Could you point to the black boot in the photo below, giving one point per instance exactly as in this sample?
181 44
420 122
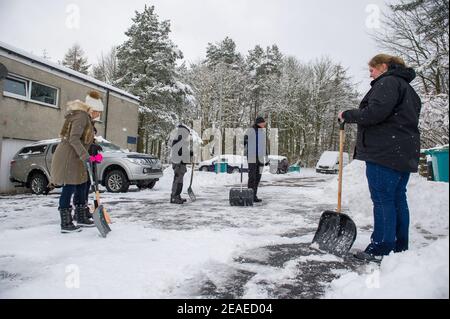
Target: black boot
67 225
81 216
88 212
176 200
255 198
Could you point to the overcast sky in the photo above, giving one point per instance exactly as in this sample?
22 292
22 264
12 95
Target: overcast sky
306 29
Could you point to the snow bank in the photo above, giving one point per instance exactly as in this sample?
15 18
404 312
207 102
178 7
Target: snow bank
422 273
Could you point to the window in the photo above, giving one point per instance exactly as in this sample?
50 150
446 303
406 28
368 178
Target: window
16 86
43 93
54 148
29 90
33 150
109 147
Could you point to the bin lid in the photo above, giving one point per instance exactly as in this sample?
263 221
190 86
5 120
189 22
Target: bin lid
442 149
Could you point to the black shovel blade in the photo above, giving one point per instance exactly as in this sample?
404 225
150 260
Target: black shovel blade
336 233
191 194
241 197
100 221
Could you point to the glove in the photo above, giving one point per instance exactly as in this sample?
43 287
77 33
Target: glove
94 149
96 158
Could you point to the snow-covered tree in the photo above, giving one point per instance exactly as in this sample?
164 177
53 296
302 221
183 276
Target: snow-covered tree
223 52
417 30
106 68
147 68
434 120
301 100
75 59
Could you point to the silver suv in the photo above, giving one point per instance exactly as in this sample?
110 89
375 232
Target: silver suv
119 169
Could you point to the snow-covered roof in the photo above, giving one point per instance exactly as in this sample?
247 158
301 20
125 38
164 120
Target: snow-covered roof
11 50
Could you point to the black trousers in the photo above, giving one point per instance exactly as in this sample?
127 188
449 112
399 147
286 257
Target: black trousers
177 185
254 177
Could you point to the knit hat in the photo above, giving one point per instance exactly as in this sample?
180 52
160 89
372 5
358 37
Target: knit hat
94 100
259 120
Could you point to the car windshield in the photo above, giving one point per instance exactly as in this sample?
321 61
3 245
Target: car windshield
109 147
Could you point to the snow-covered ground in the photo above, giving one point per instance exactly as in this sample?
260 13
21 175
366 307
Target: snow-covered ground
209 249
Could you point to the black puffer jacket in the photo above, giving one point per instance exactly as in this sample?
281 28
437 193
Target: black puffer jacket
388 120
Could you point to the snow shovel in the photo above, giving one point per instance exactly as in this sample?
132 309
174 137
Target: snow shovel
190 191
337 231
240 196
100 215
3 71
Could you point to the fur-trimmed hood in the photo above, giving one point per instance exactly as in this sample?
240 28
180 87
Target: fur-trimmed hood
77 105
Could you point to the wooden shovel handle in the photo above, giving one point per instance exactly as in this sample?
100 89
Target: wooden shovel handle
341 164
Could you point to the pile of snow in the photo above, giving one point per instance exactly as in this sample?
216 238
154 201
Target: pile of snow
422 273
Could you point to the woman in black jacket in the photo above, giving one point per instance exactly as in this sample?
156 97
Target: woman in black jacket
388 140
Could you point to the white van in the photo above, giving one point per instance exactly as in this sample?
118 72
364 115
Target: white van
329 162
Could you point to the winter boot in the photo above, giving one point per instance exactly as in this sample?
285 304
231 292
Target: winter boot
364 256
81 216
176 200
88 212
67 225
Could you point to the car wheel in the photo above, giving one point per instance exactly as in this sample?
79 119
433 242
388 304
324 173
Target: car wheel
152 184
235 170
117 182
38 183
204 169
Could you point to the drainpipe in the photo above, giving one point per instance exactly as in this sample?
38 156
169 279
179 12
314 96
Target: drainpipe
107 110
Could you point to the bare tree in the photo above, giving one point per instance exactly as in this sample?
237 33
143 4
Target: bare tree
106 68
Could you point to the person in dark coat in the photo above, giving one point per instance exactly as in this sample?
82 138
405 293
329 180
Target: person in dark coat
256 151
388 140
181 154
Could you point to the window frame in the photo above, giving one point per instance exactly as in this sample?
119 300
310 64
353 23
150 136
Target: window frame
29 85
19 79
56 105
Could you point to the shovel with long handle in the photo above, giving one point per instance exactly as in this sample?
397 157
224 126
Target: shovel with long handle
337 231
190 191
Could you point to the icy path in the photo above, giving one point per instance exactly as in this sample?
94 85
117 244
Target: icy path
205 249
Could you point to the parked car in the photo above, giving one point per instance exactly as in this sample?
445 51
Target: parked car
119 169
233 163
329 162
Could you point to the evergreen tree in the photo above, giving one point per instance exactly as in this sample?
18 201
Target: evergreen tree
147 68
74 59
223 52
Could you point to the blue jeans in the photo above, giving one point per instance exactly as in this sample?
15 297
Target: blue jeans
79 192
390 209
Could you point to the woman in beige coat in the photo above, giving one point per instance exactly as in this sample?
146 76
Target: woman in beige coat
68 164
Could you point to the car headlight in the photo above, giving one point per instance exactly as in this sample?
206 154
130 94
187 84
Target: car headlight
138 161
